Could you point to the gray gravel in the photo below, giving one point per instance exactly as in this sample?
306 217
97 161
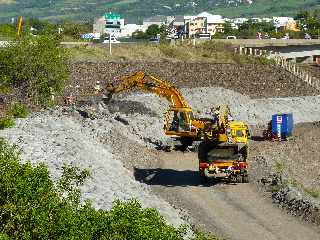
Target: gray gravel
108 139
55 139
252 111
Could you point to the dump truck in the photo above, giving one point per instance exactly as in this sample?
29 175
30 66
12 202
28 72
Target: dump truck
223 161
223 153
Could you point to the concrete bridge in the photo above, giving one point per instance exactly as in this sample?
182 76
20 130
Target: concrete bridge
262 43
311 56
295 50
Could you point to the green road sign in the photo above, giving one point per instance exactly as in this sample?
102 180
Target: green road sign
112 16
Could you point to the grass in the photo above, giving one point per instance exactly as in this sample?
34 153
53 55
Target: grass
312 192
17 110
212 51
6 122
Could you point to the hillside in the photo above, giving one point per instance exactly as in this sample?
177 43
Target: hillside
136 10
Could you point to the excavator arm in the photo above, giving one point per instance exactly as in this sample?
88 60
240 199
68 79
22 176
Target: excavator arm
145 82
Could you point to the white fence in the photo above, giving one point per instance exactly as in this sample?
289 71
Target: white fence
283 63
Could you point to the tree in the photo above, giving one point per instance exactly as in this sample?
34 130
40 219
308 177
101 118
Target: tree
35 65
75 30
309 21
153 30
139 35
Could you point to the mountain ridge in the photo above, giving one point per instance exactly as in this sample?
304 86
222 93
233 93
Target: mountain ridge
136 10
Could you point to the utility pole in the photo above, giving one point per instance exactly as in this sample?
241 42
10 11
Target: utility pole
110 48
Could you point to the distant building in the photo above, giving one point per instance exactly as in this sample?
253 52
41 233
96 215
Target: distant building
129 29
203 23
240 21
110 22
155 20
178 21
99 25
285 23
267 20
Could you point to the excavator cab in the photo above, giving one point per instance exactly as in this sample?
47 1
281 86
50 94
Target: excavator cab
178 122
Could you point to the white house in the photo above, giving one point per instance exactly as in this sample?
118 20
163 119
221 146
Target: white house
129 29
203 23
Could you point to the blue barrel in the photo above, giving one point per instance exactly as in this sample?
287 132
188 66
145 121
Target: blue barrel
282 125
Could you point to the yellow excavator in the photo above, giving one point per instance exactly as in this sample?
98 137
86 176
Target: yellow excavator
179 119
223 150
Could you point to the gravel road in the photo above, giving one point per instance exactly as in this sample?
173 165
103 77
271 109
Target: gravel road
235 211
116 143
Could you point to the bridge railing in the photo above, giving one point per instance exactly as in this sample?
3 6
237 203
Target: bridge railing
291 67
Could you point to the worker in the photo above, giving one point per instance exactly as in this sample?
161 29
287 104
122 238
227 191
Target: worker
215 114
175 122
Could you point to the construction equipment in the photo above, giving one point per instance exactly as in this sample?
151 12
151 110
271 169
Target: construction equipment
179 119
224 150
223 160
19 27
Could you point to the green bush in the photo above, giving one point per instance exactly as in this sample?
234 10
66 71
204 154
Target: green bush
35 65
18 110
6 123
33 207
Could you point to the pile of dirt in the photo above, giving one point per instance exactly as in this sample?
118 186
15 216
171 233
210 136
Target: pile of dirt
244 108
90 139
256 81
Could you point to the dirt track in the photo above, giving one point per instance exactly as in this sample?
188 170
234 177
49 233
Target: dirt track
123 133
235 211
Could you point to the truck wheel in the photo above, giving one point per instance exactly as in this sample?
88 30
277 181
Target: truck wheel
203 177
245 179
239 178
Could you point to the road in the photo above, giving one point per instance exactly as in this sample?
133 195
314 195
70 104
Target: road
233 211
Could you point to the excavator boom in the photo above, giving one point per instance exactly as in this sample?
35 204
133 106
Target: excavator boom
145 82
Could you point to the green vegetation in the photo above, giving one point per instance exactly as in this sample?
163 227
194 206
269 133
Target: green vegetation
35 64
310 22
312 192
268 8
6 122
152 31
34 207
136 10
17 110
209 51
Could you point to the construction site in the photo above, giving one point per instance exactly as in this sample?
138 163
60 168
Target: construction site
190 139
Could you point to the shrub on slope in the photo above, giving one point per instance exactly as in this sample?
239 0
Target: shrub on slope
33 207
35 65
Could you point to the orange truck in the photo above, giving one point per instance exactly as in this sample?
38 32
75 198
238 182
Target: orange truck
223 161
